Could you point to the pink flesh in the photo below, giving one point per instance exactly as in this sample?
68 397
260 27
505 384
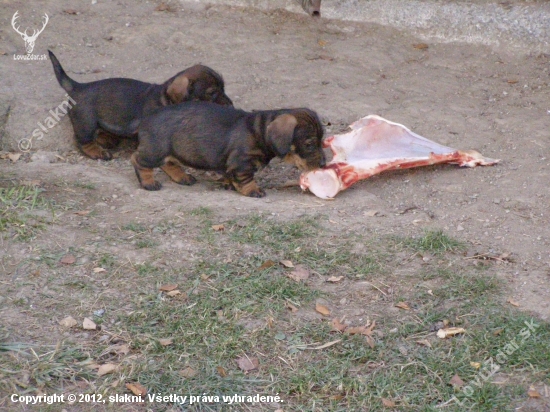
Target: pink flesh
375 145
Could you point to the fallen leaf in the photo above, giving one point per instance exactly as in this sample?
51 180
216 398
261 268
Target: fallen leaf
424 342
168 287
322 43
68 322
14 157
388 403
326 345
89 324
456 382
221 371
534 393
299 273
512 81
98 270
292 308
322 309
247 364
67 260
476 365
430 292
337 325
335 279
361 330
218 228
137 388
371 213
166 341
420 46
173 293
403 305
513 302
332 398
106 368
188 372
82 212
497 332
121 349
266 265
287 263
445 333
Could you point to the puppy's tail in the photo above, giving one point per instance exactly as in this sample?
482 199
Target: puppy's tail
129 130
65 81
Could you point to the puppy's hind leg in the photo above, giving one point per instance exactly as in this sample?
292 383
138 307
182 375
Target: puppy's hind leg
174 169
246 185
144 173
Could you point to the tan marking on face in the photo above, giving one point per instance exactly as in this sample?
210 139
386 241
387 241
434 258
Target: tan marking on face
296 160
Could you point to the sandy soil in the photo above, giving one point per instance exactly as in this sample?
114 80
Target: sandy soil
462 95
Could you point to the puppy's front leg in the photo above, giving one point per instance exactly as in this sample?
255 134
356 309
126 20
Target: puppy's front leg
173 169
246 185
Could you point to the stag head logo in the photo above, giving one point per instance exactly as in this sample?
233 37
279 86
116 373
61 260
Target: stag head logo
29 40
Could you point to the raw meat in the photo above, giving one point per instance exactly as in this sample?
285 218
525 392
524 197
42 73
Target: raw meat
375 145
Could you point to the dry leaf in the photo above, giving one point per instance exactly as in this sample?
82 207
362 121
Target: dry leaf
512 81
287 263
361 330
388 403
68 322
444 333
14 157
166 342
188 372
322 309
121 349
403 305
513 302
218 228
534 393
337 325
173 293
106 368
221 371
456 382
168 287
82 212
424 342
247 364
299 273
99 270
476 365
326 345
497 332
290 306
89 324
67 260
335 279
420 46
137 388
322 43
371 213
267 264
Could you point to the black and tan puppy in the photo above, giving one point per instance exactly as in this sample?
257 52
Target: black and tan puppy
227 140
114 105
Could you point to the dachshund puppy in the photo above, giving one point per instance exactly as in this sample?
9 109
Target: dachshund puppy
227 140
116 105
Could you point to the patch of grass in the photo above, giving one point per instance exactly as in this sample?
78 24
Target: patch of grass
18 207
135 227
85 185
145 243
434 241
202 211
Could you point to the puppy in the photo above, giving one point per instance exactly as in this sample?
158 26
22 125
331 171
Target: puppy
227 140
116 105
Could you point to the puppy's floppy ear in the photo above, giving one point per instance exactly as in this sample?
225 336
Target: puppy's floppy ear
280 132
178 90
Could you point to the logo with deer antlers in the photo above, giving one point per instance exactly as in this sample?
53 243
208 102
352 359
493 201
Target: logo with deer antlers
29 40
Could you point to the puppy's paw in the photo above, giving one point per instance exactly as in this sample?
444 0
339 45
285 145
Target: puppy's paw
257 193
94 151
187 181
152 186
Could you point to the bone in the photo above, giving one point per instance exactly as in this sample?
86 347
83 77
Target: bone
375 145
311 7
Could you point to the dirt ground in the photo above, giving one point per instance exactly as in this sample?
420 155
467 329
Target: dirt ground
461 95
